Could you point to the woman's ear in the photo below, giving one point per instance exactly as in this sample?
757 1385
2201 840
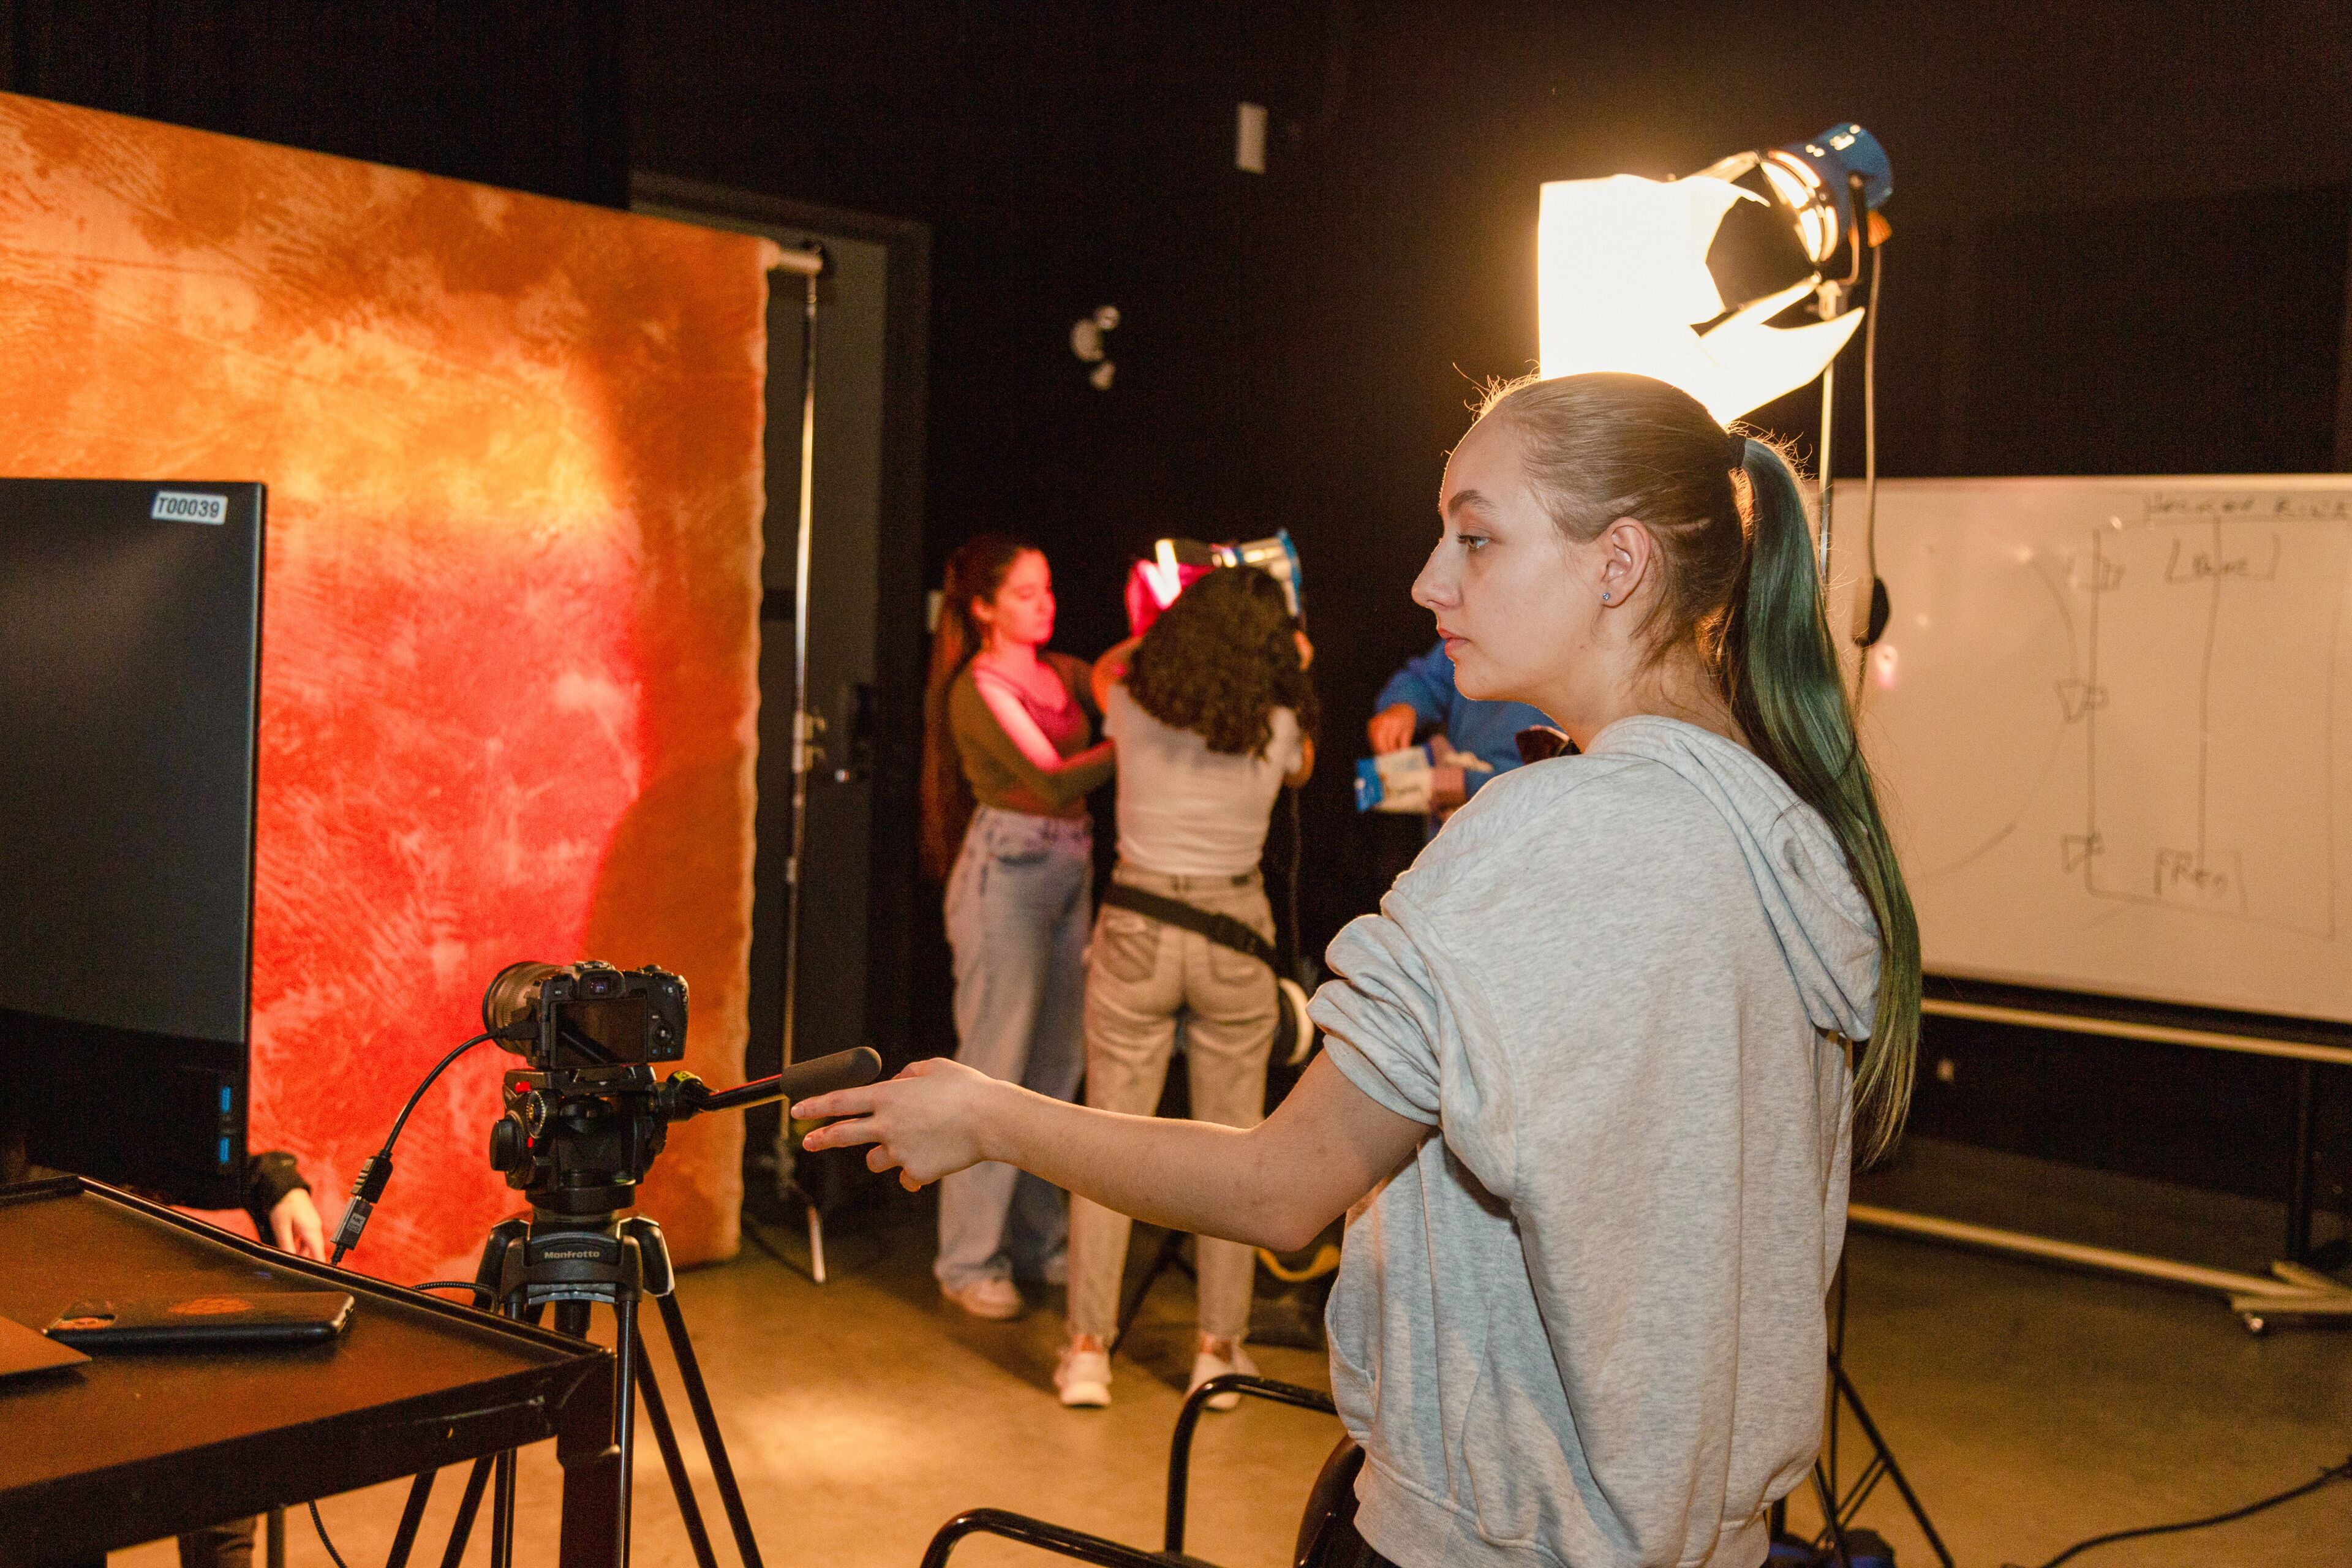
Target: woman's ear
1627 552
984 613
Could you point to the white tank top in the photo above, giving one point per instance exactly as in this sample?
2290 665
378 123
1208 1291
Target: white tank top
1185 810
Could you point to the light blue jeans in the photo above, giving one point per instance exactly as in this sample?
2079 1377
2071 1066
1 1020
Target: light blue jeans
1019 901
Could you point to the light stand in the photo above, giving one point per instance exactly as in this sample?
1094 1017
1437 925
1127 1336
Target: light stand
1832 303
1620 286
810 263
1840 1504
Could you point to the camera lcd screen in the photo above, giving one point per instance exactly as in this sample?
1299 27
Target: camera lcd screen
615 1029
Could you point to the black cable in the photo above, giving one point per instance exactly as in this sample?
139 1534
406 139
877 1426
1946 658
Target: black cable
1870 413
2333 1473
476 1286
1290 891
324 1539
1868 587
401 1121
375 1172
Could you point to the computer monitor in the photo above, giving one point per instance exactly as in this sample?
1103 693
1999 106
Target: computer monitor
129 659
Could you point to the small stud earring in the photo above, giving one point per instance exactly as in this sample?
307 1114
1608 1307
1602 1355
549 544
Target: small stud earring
1605 598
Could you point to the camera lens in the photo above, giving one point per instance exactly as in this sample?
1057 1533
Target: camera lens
513 993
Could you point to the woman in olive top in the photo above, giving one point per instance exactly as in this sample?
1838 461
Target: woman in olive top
1009 755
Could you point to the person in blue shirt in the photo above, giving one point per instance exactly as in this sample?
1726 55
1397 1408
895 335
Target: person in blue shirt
1419 700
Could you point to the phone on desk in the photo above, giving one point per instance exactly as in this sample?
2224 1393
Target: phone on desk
204 1322
24 1352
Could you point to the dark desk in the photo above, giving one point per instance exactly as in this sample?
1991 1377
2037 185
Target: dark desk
133 1447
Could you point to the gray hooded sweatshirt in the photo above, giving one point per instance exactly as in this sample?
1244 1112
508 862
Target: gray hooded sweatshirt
1585 1326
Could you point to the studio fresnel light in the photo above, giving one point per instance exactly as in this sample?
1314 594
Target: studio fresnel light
1692 280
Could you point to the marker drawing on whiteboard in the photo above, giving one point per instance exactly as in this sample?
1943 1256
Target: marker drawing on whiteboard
2077 698
2196 592
2190 565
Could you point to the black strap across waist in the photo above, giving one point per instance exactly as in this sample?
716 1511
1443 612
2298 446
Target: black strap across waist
1222 930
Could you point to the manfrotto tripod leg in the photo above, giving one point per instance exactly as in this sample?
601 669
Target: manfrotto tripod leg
502 1498
462 1527
689 1508
627 1357
1834 1526
411 1516
706 1420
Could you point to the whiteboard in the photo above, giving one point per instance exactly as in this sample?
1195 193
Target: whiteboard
2112 722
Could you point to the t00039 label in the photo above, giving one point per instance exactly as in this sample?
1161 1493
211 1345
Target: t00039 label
186 506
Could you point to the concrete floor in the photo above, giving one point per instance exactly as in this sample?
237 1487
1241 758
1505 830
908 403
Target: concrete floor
2030 1407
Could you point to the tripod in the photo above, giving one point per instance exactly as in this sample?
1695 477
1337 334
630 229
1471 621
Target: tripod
574 1263
576 1145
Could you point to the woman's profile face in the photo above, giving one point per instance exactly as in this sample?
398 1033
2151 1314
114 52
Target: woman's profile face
1510 597
1023 610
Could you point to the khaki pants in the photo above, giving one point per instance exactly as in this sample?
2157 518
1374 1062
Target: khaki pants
1141 978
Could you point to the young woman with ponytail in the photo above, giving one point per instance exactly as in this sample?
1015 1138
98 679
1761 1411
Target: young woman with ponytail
1009 757
1592 1053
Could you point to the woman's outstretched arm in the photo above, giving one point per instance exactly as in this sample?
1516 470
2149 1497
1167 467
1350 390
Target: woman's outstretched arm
1274 1184
977 728
1110 669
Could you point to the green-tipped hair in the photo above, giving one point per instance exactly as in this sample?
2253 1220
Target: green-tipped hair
1779 671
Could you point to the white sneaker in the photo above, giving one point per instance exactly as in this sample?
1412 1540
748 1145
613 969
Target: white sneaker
995 1297
1208 1364
1083 1378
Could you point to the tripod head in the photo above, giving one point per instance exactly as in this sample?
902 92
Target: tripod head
585 1119
577 1141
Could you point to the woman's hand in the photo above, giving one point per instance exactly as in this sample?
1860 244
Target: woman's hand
925 1123
294 1226
1391 728
1305 763
1110 669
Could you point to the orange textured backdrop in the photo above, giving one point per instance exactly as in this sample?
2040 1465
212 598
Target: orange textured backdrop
509 629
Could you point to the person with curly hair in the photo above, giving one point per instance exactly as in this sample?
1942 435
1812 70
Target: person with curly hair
1213 718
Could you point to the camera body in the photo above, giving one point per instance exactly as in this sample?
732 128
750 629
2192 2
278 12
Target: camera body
589 1015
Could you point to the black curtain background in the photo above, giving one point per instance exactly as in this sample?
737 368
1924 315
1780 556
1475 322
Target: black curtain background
2120 246
532 95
